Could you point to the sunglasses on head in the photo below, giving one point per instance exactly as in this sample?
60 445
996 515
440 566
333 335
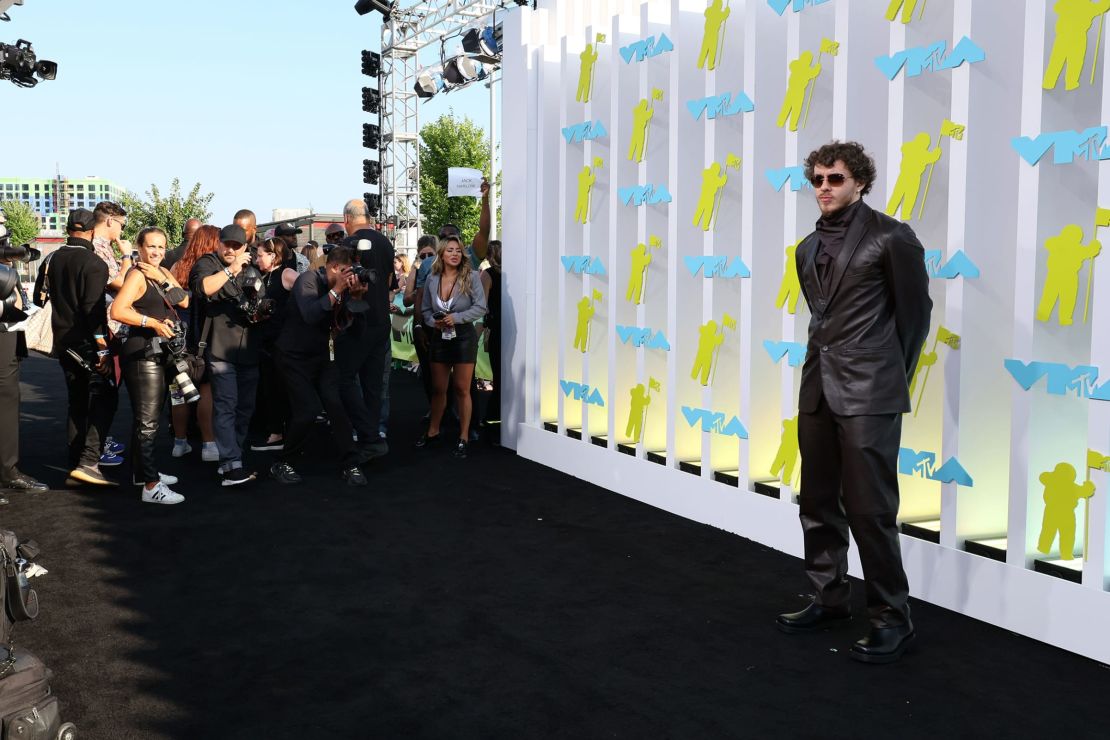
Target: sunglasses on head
835 179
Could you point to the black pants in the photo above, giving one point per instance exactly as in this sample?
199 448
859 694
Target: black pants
493 349
92 404
850 481
359 362
146 386
9 405
420 341
313 381
273 401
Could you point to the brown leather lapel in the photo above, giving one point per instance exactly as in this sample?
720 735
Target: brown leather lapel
858 229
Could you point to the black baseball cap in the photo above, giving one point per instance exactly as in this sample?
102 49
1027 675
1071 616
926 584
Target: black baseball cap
80 219
233 233
286 229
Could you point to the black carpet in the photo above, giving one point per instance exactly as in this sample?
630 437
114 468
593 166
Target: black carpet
485 598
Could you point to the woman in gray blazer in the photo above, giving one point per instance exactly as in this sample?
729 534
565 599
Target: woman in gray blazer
453 300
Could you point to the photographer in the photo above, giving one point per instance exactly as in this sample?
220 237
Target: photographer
74 280
12 350
217 282
306 356
278 276
144 304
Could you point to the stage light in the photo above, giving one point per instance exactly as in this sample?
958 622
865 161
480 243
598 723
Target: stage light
371 136
460 70
371 63
373 203
362 7
371 171
484 44
371 100
429 81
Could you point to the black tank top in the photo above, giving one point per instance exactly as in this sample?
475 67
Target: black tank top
151 305
493 312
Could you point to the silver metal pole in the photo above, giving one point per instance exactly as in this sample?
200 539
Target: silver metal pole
492 157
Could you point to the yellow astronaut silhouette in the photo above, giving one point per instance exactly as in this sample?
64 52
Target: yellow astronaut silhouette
641 399
713 179
927 359
586 180
1061 496
715 16
641 258
916 156
641 117
802 73
588 58
709 339
791 286
787 456
582 327
1069 49
1066 254
907 7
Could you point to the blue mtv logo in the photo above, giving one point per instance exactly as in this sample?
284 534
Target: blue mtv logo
720 105
643 337
582 264
796 176
640 194
652 46
794 352
923 465
585 131
713 266
1088 144
780 6
918 59
580 392
960 265
715 422
1061 380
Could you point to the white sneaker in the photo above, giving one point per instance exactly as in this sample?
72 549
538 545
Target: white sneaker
164 478
209 452
161 494
181 448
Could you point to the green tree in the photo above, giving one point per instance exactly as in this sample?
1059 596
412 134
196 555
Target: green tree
169 212
21 222
450 142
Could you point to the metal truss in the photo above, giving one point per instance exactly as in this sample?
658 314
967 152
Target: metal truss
404 33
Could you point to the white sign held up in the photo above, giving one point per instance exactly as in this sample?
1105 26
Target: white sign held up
464 181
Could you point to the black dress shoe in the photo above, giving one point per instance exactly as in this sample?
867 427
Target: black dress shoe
883 644
22 482
813 617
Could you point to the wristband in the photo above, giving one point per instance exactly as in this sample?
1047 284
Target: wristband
142 324
167 285
230 275
102 353
334 295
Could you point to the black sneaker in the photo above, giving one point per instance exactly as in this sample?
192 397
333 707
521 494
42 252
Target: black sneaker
266 446
461 448
374 449
283 473
354 476
426 441
236 476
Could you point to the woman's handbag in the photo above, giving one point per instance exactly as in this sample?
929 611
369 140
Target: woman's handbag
38 330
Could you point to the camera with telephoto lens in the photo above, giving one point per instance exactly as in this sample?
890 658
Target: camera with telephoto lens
366 276
251 301
171 352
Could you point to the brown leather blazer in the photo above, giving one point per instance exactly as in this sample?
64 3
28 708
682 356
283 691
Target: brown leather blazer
866 335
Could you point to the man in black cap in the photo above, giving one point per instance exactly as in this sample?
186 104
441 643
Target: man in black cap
333 235
74 280
232 353
287 232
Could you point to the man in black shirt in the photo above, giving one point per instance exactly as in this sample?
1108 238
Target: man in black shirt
306 355
74 280
361 350
175 254
232 349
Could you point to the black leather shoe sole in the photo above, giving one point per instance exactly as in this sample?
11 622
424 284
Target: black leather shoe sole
794 628
882 658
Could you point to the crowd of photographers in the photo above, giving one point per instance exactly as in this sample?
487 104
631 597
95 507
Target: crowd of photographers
242 333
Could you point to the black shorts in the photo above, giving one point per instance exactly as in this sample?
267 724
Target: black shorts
462 349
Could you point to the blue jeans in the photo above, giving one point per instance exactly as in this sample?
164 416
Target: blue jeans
234 388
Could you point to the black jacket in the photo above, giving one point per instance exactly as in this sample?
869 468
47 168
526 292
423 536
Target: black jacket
308 320
77 279
865 337
230 336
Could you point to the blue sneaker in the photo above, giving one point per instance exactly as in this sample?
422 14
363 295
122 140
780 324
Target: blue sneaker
108 460
113 446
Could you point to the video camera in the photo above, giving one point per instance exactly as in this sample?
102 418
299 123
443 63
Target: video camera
252 303
19 64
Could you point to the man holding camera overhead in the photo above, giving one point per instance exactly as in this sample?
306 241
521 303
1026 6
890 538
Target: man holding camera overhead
218 280
318 313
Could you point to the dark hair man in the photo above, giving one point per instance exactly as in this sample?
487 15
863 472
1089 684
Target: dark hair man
306 356
863 276
232 352
111 220
187 232
73 280
361 350
287 232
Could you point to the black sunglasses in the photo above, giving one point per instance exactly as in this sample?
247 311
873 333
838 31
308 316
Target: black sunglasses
426 255
835 179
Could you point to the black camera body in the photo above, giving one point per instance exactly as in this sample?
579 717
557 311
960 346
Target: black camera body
366 276
252 303
171 353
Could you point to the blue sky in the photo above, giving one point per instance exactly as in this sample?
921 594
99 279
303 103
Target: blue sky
258 100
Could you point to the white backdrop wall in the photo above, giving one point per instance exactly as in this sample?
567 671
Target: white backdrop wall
567 404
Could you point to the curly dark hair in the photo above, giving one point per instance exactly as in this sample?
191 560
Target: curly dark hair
852 154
